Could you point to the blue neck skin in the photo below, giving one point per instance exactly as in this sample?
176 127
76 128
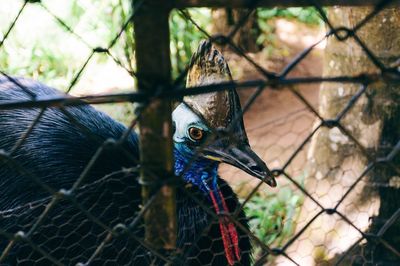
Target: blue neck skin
201 172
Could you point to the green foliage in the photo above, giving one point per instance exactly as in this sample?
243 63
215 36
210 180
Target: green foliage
306 15
267 38
185 36
36 62
272 217
41 47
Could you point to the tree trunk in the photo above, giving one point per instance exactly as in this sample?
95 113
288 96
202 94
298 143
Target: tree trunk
336 162
225 20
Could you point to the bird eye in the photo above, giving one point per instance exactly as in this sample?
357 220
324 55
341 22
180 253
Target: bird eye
196 133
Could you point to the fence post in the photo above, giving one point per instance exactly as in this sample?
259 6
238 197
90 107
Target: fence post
154 74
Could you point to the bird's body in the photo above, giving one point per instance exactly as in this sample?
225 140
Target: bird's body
63 145
57 151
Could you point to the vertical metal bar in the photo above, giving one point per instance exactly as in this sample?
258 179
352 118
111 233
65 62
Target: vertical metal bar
154 74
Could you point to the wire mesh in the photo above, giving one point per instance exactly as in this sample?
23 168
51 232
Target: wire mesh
70 174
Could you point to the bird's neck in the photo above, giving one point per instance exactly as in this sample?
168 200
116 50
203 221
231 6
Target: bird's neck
202 173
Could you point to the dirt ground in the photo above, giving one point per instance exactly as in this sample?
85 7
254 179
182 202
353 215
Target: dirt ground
278 121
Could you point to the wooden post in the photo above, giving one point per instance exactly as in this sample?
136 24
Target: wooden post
154 74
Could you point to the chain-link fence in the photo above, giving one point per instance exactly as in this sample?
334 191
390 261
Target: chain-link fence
76 188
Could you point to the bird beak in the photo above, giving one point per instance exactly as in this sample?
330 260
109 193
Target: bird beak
242 157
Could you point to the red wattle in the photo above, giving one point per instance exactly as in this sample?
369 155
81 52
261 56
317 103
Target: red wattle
229 234
232 229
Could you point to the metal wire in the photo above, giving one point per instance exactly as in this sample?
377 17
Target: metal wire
132 228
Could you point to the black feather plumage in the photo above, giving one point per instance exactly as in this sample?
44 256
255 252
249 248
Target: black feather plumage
57 151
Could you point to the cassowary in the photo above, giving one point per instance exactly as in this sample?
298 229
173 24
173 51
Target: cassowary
61 144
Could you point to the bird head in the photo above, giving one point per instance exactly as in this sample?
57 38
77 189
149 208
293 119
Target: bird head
210 125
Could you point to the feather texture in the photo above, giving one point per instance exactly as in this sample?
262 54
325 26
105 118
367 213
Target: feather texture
56 151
